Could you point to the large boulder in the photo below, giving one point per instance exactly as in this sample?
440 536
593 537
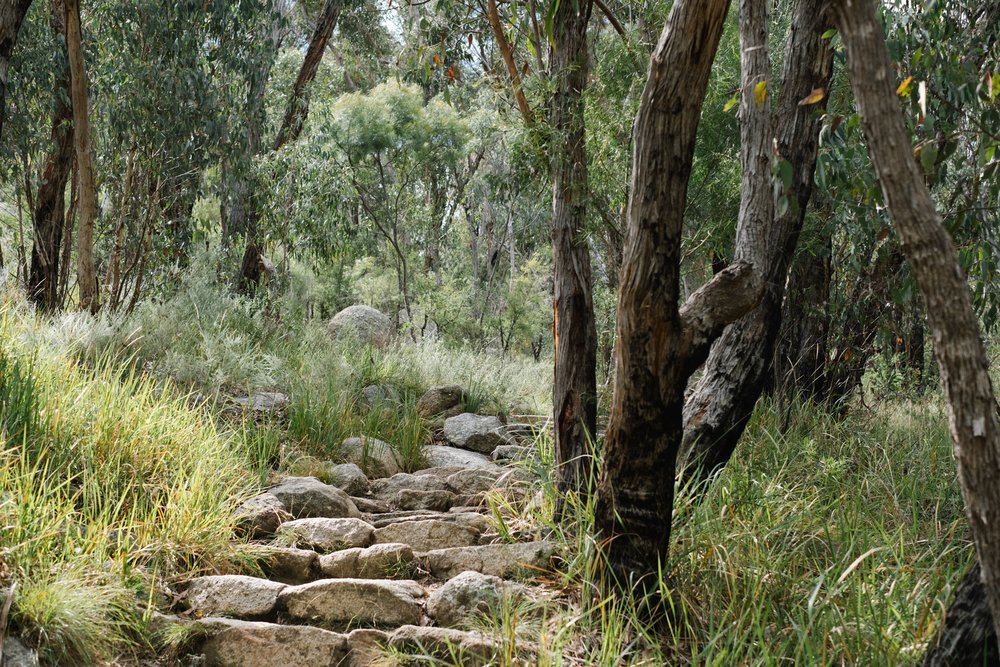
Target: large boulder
444 398
372 454
306 497
261 515
477 433
348 477
363 323
374 601
467 595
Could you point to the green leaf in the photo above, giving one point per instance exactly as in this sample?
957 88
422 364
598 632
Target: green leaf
829 33
785 172
733 101
782 205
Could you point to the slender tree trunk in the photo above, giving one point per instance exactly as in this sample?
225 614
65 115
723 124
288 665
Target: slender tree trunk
12 14
86 273
659 345
507 54
297 107
717 413
574 391
972 407
49 215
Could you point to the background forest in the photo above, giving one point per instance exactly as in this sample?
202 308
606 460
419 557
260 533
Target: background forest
179 230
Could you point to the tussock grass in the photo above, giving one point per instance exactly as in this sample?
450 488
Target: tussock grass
110 486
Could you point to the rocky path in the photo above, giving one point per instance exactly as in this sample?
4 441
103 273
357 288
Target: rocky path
358 568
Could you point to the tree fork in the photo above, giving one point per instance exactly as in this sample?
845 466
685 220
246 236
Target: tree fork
659 344
718 411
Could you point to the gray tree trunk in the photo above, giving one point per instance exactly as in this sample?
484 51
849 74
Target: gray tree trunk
972 408
85 270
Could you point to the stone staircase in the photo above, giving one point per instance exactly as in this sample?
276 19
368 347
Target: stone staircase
401 565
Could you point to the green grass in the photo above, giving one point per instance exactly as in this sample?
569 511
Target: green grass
825 541
833 542
112 487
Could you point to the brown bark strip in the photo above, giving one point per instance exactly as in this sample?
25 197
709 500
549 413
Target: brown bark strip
86 273
574 390
718 411
972 408
656 340
12 14
298 105
507 54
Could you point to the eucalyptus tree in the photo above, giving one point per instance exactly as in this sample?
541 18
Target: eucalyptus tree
391 147
49 214
659 344
716 413
86 273
11 17
972 409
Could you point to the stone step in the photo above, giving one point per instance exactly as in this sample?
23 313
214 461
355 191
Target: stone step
427 534
360 602
233 643
500 560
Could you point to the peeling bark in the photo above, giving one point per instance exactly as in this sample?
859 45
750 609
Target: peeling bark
297 107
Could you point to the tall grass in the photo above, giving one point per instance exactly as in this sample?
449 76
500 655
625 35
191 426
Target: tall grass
829 543
111 487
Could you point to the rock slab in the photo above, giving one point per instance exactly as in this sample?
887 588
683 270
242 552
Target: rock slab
375 602
307 497
233 595
253 644
326 534
477 433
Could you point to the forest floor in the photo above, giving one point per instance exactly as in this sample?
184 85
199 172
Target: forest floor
827 540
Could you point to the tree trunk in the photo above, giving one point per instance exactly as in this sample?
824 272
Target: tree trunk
972 407
297 107
12 14
574 391
49 215
507 54
659 345
717 413
86 273
801 355
967 636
